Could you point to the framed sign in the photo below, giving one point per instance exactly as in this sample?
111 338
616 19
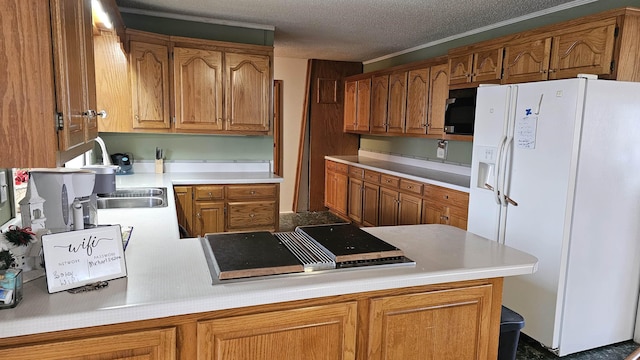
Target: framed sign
81 257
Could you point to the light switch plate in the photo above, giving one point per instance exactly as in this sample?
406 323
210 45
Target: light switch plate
441 152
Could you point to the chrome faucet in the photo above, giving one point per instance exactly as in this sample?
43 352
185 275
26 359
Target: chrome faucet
105 155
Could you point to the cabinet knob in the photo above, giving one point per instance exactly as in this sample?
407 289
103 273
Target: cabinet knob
198 215
89 113
253 192
252 215
102 114
210 195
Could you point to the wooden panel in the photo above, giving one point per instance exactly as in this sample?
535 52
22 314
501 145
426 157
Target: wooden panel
350 105
327 91
251 215
487 65
370 204
397 102
184 206
409 210
197 79
528 61
247 92
337 167
587 51
363 115
356 172
439 93
325 128
209 192
27 98
149 64
147 345
443 325
626 53
208 217
411 186
113 88
417 101
389 180
372 176
312 333
355 199
460 69
388 207
254 191
379 103
447 196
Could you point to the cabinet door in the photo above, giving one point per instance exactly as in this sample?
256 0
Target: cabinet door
417 101
148 345
350 105
355 199
487 65
149 64
379 102
252 215
197 84
439 93
312 333
370 200
247 92
363 112
409 209
388 209
397 103
445 325
460 69
74 72
208 217
588 51
433 213
184 207
527 61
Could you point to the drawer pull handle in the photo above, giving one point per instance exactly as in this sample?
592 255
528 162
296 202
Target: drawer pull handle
210 195
253 192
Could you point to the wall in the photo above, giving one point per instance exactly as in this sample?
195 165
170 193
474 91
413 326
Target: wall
293 73
458 152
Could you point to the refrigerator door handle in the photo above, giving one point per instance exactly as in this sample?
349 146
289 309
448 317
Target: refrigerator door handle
498 172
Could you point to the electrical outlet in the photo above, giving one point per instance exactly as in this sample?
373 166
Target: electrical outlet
441 152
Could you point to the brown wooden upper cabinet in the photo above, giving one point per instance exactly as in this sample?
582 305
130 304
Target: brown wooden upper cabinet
149 64
482 65
587 48
379 103
357 105
397 102
187 85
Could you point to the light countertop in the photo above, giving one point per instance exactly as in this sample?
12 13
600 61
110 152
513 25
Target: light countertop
169 276
445 175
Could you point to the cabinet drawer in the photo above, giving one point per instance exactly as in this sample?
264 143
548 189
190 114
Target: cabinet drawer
209 192
250 215
411 186
447 196
244 192
390 181
337 167
372 176
356 172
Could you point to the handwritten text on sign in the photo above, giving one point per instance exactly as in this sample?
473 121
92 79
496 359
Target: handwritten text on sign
77 258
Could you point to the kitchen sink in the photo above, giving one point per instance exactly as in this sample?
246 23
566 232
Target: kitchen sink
144 197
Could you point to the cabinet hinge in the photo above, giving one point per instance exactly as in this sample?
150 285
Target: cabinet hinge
616 31
174 120
59 121
613 66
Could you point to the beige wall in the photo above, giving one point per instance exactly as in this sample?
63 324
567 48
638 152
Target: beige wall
293 74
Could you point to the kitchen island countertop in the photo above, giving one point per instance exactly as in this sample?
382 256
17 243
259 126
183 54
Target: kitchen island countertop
169 276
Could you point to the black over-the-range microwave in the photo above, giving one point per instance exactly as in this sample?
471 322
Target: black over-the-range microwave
460 111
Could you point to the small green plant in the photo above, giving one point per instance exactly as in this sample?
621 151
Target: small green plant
6 259
18 236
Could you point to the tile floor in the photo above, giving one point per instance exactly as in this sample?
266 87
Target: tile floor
528 349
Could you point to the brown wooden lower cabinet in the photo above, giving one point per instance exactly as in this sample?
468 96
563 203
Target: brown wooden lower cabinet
370 198
148 345
313 333
450 321
216 208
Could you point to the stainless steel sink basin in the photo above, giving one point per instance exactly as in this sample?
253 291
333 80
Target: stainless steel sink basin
134 198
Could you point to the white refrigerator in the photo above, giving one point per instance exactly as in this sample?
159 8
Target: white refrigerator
563 160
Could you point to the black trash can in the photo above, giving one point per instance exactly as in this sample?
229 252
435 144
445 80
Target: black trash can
510 325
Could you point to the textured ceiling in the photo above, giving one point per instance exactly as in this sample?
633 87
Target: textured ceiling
354 30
